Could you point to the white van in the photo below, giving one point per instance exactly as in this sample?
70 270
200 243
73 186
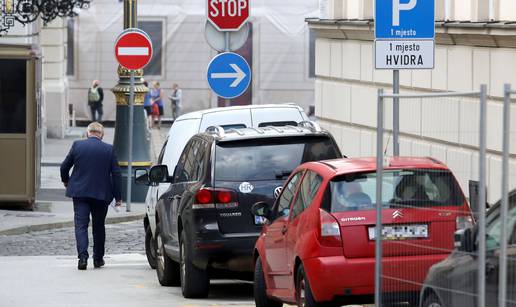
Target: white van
193 123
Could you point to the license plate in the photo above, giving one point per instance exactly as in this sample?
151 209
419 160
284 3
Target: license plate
401 232
259 220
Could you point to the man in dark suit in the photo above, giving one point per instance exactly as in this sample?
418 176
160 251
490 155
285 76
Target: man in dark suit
95 181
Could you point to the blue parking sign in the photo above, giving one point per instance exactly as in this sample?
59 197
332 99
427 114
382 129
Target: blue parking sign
229 75
405 19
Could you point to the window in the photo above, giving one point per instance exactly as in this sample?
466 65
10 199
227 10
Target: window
307 191
494 228
162 153
13 96
70 48
400 189
269 159
283 207
312 36
180 174
191 162
155 31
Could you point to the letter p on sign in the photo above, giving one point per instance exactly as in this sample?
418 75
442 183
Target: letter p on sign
397 7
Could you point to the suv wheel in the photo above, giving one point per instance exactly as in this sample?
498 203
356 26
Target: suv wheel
166 268
194 281
304 296
432 301
150 247
260 289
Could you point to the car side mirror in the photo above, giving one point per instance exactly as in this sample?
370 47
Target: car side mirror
464 240
141 177
474 202
262 209
158 174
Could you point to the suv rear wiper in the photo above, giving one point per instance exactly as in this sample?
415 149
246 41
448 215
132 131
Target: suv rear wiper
282 174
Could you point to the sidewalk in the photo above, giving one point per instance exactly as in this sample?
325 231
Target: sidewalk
53 209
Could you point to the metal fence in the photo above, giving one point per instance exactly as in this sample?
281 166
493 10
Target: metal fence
436 213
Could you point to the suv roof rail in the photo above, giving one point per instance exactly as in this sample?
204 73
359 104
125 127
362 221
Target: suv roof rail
260 131
294 127
217 130
237 131
275 129
311 125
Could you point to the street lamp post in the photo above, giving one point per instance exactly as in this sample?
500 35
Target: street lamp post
141 149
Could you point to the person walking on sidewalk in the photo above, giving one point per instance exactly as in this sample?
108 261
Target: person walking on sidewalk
95 181
148 106
176 100
95 99
157 95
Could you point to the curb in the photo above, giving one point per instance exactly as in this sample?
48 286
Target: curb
65 224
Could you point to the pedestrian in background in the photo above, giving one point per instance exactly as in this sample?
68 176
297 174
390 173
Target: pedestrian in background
148 106
176 100
95 99
157 96
95 181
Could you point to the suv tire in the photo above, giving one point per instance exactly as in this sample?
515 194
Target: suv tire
304 296
150 247
194 281
260 289
166 269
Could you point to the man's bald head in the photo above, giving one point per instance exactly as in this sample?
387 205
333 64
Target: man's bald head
95 129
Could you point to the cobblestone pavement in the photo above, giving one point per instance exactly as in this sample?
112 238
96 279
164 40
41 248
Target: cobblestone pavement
120 238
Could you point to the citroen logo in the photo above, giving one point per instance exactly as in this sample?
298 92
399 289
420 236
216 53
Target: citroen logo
277 191
397 214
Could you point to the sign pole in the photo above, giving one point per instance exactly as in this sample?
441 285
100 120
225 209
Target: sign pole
130 141
396 113
227 49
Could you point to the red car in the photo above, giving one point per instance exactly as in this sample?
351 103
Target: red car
319 246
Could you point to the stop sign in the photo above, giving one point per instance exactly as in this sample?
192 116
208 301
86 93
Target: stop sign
133 49
228 15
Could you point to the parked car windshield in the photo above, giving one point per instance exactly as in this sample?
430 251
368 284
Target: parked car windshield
269 159
400 189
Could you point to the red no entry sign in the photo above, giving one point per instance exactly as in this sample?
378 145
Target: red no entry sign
133 49
228 15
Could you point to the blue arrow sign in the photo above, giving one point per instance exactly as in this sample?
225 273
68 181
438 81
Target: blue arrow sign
405 19
229 75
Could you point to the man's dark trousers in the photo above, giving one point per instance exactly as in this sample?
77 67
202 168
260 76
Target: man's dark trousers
83 207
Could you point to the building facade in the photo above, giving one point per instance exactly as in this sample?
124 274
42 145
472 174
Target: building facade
277 49
475 44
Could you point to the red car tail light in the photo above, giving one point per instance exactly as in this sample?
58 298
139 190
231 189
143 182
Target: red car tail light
224 197
210 198
330 230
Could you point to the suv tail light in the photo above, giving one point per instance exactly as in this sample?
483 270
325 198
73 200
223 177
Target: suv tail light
208 198
330 230
463 222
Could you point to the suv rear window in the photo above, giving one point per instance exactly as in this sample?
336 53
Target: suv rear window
404 188
269 159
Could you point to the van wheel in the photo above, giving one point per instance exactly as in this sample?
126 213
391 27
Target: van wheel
304 296
150 247
166 269
260 289
194 281
432 301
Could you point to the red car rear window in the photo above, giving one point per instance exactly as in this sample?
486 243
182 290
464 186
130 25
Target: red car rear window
404 188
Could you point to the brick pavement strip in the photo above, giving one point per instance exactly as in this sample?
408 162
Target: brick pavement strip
120 238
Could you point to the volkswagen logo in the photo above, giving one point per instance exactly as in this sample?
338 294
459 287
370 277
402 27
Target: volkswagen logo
277 191
397 214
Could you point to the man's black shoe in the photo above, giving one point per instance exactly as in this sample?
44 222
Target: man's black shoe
98 263
83 264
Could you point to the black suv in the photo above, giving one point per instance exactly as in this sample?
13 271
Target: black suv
204 223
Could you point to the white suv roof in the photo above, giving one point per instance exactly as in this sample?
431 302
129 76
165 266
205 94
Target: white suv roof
200 114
